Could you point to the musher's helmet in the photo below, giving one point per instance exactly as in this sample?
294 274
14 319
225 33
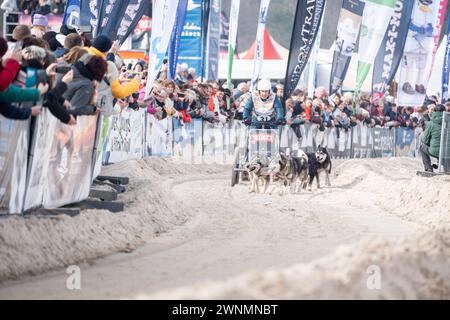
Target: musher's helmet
264 85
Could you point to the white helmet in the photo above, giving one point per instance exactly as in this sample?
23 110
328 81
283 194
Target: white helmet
264 85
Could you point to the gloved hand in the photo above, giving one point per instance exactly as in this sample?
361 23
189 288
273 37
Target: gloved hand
248 121
280 122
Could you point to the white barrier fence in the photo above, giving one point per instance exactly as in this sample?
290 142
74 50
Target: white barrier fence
56 164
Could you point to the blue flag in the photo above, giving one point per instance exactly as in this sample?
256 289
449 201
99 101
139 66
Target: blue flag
446 68
72 13
174 45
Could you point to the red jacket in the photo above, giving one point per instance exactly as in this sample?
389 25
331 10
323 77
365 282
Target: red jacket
8 73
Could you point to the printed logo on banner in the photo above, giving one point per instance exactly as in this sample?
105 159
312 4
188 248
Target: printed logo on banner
306 25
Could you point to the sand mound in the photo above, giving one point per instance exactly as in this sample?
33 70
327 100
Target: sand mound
397 189
414 268
36 244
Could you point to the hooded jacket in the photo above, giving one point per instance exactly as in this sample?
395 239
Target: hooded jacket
432 134
80 91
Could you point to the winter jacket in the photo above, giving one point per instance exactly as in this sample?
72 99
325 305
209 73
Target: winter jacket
119 91
14 113
8 73
16 94
54 102
432 134
80 91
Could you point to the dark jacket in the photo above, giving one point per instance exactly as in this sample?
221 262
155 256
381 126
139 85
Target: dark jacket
80 91
432 134
54 101
12 112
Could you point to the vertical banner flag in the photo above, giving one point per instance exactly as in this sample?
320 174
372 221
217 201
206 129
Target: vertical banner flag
109 10
89 14
224 33
259 48
419 51
391 50
164 12
174 45
446 68
121 19
206 7
234 17
347 34
72 13
306 25
375 20
213 41
312 71
191 38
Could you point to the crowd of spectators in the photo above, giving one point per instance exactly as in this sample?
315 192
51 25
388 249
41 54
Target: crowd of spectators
42 7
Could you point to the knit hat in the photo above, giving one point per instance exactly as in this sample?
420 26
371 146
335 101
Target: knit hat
102 43
33 53
3 47
40 20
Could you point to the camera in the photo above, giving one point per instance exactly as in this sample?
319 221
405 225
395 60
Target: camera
62 69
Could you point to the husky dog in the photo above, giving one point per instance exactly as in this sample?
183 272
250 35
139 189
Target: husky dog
302 170
257 170
319 161
284 169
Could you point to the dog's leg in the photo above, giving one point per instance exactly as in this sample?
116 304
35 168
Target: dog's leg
257 184
327 178
318 181
311 179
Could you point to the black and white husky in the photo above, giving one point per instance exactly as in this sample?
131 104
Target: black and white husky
288 169
319 162
257 170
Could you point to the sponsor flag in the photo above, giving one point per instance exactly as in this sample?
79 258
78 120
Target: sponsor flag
164 12
347 34
174 46
234 17
375 20
446 68
72 13
213 41
419 52
390 53
191 38
259 48
306 25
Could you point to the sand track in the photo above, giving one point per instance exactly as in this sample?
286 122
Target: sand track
193 231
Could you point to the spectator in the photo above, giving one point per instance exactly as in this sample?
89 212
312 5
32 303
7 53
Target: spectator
9 65
241 89
57 7
431 139
39 25
81 91
73 40
27 6
43 7
101 45
21 32
9 6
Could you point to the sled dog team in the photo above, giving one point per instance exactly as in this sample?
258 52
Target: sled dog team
292 172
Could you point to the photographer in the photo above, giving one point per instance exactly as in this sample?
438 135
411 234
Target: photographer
431 139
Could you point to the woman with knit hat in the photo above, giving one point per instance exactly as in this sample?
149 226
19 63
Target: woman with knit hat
40 25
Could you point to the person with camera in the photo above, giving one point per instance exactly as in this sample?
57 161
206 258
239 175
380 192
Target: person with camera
431 139
263 108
